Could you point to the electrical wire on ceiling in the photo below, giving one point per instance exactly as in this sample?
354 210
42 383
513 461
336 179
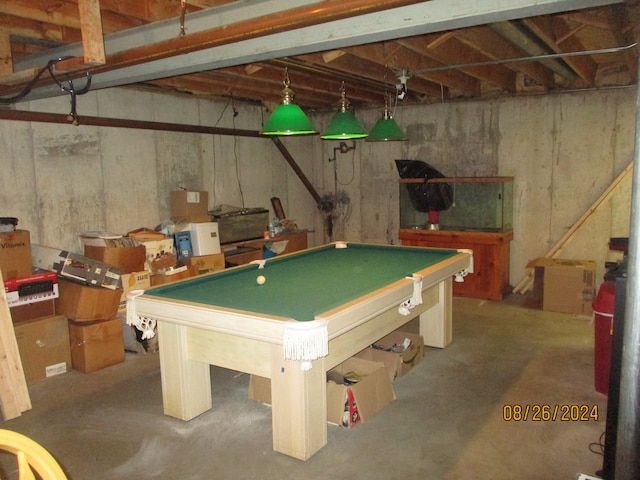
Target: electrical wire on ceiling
68 88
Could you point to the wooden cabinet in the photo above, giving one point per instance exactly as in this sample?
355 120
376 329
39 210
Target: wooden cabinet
239 253
490 277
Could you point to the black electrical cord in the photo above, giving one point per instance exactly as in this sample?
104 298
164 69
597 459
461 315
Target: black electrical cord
73 115
70 89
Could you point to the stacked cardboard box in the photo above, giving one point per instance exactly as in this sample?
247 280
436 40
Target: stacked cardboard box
42 337
32 296
44 347
128 256
15 254
96 345
189 206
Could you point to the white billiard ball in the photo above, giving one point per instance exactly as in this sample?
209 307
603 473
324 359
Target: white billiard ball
260 280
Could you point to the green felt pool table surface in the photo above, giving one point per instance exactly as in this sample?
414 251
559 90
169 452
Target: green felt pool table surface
305 284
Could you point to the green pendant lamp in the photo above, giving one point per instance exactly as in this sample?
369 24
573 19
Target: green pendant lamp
344 124
386 129
288 118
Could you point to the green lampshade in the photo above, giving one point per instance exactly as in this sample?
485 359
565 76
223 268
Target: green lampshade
386 130
288 119
344 125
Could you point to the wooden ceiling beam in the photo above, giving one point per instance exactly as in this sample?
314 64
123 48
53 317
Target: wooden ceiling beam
621 17
454 52
30 29
513 32
403 57
6 60
549 30
60 13
493 46
92 37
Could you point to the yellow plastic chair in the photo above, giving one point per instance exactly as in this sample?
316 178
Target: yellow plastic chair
31 457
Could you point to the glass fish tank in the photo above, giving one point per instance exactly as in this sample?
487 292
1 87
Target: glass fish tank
457 203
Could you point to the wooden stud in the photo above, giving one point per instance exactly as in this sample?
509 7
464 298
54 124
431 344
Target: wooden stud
14 396
6 60
92 37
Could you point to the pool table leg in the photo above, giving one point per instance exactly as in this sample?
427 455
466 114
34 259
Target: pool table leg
186 383
299 406
436 323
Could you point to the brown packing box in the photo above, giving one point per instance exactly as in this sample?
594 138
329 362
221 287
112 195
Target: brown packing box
206 263
392 361
44 347
565 286
126 259
133 281
170 277
410 357
159 254
33 311
96 345
260 389
15 254
347 405
188 206
371 394
83 303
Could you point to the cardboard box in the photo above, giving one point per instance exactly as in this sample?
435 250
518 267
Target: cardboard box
260 389
347 405
33 311
565 286
96 345
159 254
44 347
392 361
133 281
83 303
126 259
204 237
87 271
189 206
174 275
206 263
15 254
409 357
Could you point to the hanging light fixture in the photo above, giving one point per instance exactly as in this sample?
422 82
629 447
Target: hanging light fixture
288 118
386 129
344 124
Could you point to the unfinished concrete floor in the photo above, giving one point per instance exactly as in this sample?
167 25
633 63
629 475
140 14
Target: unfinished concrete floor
447 422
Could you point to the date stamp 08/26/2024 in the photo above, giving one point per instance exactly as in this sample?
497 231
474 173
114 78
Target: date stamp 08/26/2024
550 413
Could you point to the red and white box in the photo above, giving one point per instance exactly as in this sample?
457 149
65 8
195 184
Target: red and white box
34 288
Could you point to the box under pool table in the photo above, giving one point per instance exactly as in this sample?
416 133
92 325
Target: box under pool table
317 308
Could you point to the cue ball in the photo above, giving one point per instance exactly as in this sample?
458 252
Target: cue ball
260 280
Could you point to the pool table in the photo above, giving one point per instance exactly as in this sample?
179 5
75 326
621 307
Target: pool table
317 308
